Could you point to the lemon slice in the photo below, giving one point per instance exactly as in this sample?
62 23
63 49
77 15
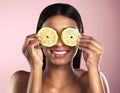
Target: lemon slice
70 36
48 36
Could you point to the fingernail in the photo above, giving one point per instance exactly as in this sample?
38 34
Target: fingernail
78 40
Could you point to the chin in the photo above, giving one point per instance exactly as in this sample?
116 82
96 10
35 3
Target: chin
60 61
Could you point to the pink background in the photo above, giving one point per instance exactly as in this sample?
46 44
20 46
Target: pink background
18 18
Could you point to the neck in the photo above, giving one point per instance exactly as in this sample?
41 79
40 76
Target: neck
58 75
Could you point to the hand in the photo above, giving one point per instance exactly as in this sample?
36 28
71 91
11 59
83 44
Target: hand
32 50
92 50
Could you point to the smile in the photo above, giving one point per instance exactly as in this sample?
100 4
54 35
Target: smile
59 53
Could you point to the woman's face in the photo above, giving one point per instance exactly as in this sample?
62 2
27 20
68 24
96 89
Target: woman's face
59 54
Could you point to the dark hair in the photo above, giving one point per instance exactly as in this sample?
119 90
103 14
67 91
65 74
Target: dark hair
65 10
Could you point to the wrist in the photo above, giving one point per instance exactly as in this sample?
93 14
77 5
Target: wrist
94 71
36 67
92 65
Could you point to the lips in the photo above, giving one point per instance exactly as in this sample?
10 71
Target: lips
59 53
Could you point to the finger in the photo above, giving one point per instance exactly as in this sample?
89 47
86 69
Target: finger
32 35
88 45
26 43
86 50
38 45
34 44
91 40
28 40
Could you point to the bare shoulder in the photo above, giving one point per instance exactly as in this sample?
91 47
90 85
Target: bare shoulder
18 82
84 79
83 74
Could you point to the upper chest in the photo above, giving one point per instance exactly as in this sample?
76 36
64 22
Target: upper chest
80 85
77 88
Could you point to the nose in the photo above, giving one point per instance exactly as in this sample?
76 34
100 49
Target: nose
59 42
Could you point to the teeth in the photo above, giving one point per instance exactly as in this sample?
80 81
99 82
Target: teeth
60 52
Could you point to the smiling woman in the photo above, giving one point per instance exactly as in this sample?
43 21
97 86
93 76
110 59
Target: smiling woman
56 68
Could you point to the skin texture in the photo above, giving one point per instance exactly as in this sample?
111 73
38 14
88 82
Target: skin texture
59 75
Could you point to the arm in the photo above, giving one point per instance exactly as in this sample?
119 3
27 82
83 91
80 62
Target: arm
35 81
32 51
92 51
97 81
32 83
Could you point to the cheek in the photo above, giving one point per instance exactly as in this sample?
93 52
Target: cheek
46 51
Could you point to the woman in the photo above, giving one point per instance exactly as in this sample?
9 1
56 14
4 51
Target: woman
56 69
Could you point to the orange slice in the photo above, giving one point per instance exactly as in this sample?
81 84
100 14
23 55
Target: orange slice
70 36
48 36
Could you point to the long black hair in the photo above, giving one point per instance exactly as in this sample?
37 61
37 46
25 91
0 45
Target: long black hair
65 10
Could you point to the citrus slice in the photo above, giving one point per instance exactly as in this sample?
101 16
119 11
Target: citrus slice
70 36
48 36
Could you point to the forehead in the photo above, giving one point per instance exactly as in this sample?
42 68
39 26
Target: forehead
60 22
